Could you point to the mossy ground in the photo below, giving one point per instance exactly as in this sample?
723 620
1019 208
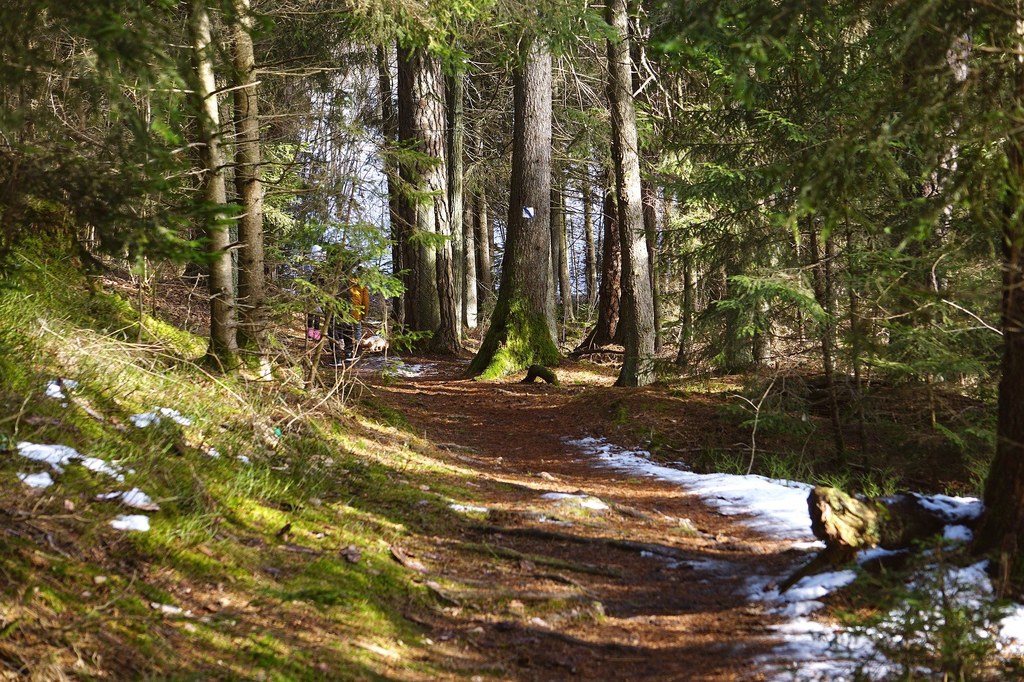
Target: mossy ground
246 572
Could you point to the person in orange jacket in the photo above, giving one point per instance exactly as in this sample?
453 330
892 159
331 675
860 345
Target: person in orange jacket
350 329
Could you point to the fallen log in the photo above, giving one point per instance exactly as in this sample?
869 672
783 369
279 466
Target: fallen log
847 524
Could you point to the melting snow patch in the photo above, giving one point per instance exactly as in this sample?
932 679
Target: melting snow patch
957 534
811 650
42 480
59 456
585 501
55 389
777 508
954 508
99 466
405 370
817 586
154 417
134 498
135 522
395 366
468 508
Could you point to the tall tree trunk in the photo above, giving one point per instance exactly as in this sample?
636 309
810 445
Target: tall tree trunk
588 232
560 246
637 296
607 329
651 198
421 125
469 283
556 243
857 337
223 348
564 281
522 330
1002 527
451 259
389 129
251 278
482 235
686 306
824 293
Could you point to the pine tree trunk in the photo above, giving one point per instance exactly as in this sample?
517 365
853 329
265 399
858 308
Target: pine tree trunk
522 330
1002 527
823 292
857 337
637 296
389 128
482 235
251 278
607 329
423 199
650 198
469 283
588 231
560 245
686 313
564 281
450 256
556 243
223 349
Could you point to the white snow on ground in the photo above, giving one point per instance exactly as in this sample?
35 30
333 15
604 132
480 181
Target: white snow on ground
776 508
468 508
134 498
809 650
43 480
404 370
55 389
155 416
394 365
59 456
576 499
135 522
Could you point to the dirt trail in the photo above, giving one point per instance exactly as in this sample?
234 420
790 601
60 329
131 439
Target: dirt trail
651 588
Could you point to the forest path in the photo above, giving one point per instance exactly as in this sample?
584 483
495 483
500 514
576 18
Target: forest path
654 587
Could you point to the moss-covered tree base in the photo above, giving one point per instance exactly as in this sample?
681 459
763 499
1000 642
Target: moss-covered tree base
515 340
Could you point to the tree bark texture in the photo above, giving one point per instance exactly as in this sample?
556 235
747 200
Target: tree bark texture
637 295
686 306
591 242
450 259
389 129
823 292
607 329
248 185
651 199
1002 528
482 235
560 245
223 347
522 330
469 248
424 178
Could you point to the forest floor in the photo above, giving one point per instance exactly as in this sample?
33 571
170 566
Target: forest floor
400 523
625 577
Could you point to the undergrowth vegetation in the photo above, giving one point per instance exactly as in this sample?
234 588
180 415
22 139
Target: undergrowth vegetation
270 554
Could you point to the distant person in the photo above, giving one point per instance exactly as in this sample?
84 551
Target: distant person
350 330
